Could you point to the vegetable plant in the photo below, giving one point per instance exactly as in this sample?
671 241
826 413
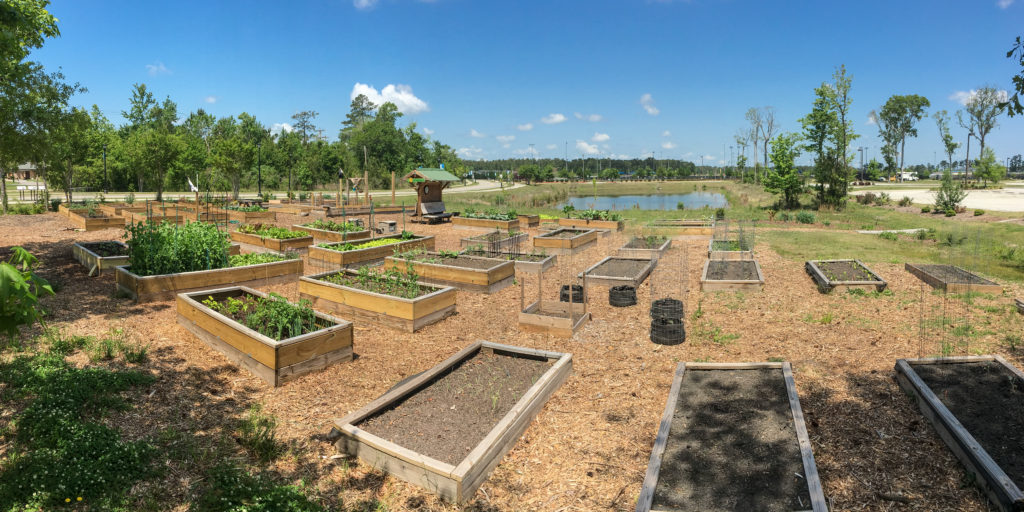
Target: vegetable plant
271 316
277 233
165 248
338 227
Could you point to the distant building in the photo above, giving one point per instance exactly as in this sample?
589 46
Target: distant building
26 171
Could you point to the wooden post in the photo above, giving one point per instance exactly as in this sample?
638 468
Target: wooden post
392 188
341 188
366 187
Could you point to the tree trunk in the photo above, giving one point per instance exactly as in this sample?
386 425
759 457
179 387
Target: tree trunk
67 184
967 160
3 188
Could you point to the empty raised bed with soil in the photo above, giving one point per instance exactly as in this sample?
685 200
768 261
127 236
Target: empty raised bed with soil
470 273
832 275
650 247
369 255
732 437
165 287
81 219
351 300
275 361
244 217
116 209
97 256
565 240
615 271
525 262
554 317
729 250
447 428
952 279
731 275
469 222
495 241
976 404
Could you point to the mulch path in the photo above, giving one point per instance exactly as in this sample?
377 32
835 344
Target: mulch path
588 448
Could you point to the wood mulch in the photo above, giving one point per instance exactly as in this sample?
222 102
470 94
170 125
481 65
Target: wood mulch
588 448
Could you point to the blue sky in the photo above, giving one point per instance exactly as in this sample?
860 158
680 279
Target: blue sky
607 78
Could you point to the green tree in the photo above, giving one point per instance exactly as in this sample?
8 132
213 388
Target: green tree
232 153
950 194
982 110
1012 104
988 168
948 144
829 132
873 171
898 118
69 145
783 178
360 111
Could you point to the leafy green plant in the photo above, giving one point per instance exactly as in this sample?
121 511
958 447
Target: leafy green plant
905 201
229 488
926 209
950 194
979 212
390 282
257 434
165 248
271 316
376 242
20 291
130 198
784 216
275 232
889 235
805 217
337 227
251 208
256 258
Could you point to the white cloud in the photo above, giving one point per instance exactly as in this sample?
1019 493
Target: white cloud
210 99
280 127
964 97
871 120
709 157
668 145
689 153
401 95
589 149
552 146
525 127
505 138
553 119
470 152
427 131
614 156
364 4
1003 4
593 118
157 69
599 137
526 151
666 133
474 133
647 102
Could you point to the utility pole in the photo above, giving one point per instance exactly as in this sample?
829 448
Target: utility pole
861 149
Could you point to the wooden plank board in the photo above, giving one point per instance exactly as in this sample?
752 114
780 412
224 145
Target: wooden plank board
333 236
636 253
646 499
939 284
485 223
94 262
826 285
615 225
274 244
727 255
593 278
535 319
371 254
484 280
161 287
708 285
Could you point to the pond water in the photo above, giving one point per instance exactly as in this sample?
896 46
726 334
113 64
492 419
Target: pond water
692 200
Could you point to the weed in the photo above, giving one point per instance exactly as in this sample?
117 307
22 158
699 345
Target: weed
256 433
776 359
889 235
905 201
699 312
805 217
1013 341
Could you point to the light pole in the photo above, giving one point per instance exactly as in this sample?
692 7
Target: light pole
106 183
861 149
259 171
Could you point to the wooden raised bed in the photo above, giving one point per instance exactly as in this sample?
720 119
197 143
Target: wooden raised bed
731 276
565 240
847 274
952 279
979 416
728 254
616 271
115 209
554 317
165 287
274 244
613 225
276 362
249 217
525 262
83 253
1020 306
529 221
141 217
409 315
713 451
638 248
458 480
476 274
293 209
370 254
94 223
333 236
466 222
494 241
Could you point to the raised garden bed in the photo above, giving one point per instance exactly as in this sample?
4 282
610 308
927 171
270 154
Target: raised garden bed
329 235
470 273
293 243
350 299
97 256
447 428
840 275
1020 306
83 221
524 262
554 317
615 271
245 217
976 404
166 286
467 222
528 221
333 253
495 241
613 225
729 250
732 437
565 240
731 275
323 341
131 217
952 279
116 209
650 247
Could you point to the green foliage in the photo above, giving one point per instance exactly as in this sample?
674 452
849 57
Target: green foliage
926 209
1013 105
805 217
337 227
489 213
275 232
783 178
988 169
27 209
889 235
377 242
719 213
256 258
828 131
950 194
251 208
271 316
165 248
951 239
257 434
232 489
784 217
596 215
60 449
905 201
390 282
20 291
979 212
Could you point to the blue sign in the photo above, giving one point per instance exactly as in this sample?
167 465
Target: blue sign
442 167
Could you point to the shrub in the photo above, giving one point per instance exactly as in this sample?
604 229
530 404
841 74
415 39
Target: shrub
130 198
784 217
20 290
165 248
719 213
979 212
805 217
926 234
889 235
866 198
257 435
55 204
950 194
905 201
926 209
950 239
950 212
882 199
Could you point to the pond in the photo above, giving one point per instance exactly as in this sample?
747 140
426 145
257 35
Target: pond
692 200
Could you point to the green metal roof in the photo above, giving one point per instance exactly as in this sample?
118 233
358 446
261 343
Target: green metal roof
431 174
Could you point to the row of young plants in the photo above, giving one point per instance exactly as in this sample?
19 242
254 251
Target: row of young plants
275 232
377 242
250 208
421 255
489 213
166 248
329 225
570 211
392 282
271 316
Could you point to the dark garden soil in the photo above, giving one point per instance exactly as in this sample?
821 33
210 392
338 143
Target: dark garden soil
837 271
564 233
652 242
106 249
508 256
617 267
989 401
732 445
449 417
732 271
950 274
460 261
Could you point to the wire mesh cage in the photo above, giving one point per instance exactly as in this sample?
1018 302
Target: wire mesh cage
669 286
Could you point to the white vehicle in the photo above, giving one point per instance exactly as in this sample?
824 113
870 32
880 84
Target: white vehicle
908 176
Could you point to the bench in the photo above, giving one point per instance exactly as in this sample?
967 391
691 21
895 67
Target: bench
434 212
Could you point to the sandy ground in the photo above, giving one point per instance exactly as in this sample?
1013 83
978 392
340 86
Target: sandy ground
1004 200
588 449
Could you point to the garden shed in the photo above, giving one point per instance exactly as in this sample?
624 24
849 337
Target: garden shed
429 184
